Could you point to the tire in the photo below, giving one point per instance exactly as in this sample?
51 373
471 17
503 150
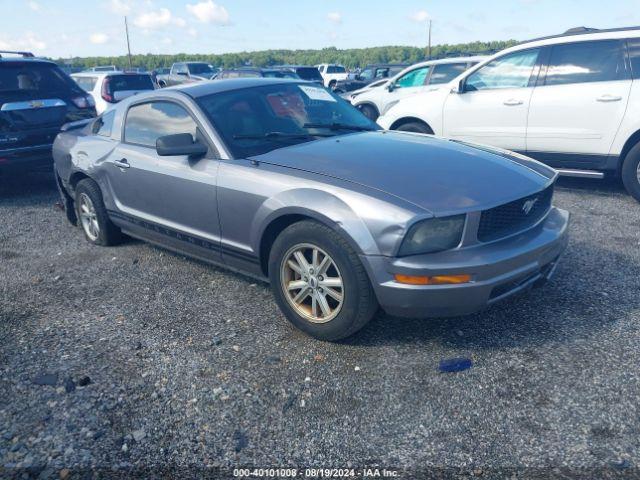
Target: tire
358 302
369 111
332 84
631 172
416 127
94 220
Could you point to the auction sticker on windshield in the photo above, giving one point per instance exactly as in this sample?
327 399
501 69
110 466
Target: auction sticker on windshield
315 93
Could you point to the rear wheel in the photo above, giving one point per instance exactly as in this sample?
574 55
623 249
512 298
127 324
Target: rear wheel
631 172
319 282
92 215
369 111
332 84
416 127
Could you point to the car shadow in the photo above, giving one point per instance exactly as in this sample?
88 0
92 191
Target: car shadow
587 295
607 185
27 187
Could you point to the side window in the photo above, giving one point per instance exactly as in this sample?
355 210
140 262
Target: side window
86 83
446 72
147 122
414 78
321 69
634 56
103 125
585 62
511 71
331 69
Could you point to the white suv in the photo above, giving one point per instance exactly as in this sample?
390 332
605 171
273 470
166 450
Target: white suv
108 88
332 74
571 101
420 77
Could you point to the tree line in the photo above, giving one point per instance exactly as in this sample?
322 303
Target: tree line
350 58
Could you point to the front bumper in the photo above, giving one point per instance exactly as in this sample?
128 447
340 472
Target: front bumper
498 269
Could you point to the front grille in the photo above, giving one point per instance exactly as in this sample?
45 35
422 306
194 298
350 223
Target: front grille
513 217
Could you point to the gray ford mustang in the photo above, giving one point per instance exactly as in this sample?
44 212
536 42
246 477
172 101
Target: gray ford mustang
283 180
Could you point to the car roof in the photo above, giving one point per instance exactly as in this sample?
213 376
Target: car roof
105 74
200 89
580 34
18 59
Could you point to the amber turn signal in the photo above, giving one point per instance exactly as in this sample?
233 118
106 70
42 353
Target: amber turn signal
434 280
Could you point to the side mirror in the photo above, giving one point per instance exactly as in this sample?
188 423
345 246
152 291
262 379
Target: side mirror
180 144
391 86
458 88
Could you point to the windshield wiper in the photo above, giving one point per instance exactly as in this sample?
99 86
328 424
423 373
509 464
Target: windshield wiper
275 136
339 126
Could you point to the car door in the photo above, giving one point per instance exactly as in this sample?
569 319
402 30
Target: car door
171 196
492 105
579 102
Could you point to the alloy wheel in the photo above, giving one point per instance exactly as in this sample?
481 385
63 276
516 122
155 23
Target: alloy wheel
312 283
88 217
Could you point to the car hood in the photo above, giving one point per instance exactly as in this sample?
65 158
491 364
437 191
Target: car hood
438 175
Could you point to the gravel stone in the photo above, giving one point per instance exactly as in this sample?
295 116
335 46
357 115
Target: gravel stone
554 385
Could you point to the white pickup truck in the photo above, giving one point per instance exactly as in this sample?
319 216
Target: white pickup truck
332 74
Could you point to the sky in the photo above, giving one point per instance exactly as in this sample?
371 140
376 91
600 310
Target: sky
67 28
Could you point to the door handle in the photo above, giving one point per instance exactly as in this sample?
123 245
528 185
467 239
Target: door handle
512 102
608 98
122 163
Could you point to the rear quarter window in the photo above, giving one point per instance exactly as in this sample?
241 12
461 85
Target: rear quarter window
119 83
86 83
37 78
103 126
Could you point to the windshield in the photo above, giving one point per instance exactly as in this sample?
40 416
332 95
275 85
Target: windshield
200 68
35 78
118 83
309 73
257 120
279 74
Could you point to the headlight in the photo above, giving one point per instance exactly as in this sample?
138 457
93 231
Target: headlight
433 235
389 105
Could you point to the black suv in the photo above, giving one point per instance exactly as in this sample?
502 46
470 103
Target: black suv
36 99
369 74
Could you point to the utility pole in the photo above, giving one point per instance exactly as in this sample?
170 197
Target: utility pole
429 39
126 29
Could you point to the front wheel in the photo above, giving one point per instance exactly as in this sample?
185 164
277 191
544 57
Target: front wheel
369 111
631 172
319 282
416 127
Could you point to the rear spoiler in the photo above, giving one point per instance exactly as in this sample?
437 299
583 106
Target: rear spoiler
76 125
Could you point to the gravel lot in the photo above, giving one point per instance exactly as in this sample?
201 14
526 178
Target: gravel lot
188 367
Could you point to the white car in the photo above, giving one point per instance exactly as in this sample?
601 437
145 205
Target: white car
420 77
108 88
331 73
571 101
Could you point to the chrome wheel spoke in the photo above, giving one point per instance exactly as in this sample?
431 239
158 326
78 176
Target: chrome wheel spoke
294 266
331 282
302 261
297 285
333 294
302 294
324 305
324 264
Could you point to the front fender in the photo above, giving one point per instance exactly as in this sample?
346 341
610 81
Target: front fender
322 206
